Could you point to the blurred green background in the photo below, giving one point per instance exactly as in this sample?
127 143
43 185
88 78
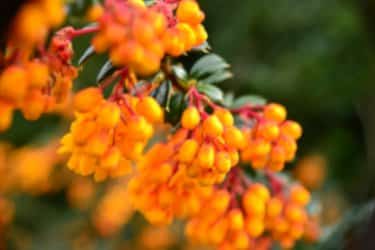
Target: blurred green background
315 57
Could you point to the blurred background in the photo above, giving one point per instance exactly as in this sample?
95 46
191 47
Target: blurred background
315 57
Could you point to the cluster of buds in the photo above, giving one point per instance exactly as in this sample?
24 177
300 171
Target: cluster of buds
108 135
162 190
33 22
139 37
210 148
271 142
286 217
231 224
241 214
185 28
41 82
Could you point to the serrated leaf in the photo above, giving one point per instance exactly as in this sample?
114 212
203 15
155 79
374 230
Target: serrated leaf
248 99
208 64
86 55
163 93
213 92
218 77
106 70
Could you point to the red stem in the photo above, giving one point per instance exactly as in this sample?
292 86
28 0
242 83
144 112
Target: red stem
83 31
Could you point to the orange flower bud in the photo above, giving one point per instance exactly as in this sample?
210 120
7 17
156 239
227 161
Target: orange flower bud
236 220
150 109
225 117
206 156
292 129
212 126
275 112
188 11
234 138
188 151
254 226
190 118
299 195
87 99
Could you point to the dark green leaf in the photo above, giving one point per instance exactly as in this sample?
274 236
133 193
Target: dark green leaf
175 108
208 64
106 70
213 92
163 93
218 77
86 55
248 99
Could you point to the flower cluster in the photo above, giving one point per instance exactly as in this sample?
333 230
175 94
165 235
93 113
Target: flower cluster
241 214
231 224
33 22
41 82
161 189
138 36
211 146
287 217
271 142
107 135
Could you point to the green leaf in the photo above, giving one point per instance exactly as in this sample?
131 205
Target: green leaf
163 93
204 48
179 72
149 2
106 70
175 108
228 99
218 77
248 99
213 92
208 64
86 55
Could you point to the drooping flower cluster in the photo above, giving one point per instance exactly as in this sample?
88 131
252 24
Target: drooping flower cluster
286 217
211 145
34 21
108 135
272 141
139 37
238 216
36 85
162 189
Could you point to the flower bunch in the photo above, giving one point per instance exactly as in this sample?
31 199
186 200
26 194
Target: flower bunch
33 22
42 81
108 135
242 213
271 141
195 168
139 37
